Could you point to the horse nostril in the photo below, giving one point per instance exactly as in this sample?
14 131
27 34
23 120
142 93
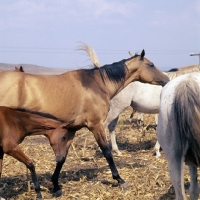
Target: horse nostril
64 137
60 159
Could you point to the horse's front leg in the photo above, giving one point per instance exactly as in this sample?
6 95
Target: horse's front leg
100 136
18 154
140 119
56 188
1 160
111 128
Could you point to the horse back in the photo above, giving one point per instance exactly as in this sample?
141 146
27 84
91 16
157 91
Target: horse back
35 92
72 95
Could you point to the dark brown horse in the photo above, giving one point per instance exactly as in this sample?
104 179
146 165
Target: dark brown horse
73 95
16 124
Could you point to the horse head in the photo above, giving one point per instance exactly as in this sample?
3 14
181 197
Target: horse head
146 71
60 140
20 69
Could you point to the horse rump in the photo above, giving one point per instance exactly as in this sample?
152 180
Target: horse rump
187 117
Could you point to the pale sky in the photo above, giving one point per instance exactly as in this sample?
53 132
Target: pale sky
47 32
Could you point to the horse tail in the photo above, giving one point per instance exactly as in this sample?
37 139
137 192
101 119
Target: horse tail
187 115
91 53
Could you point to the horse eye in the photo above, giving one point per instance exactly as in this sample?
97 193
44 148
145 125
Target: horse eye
151 65
64 137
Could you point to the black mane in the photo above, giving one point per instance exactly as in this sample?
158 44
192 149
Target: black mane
115 72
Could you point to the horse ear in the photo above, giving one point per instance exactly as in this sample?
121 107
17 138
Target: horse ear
130 54
142 55
66 125
21 69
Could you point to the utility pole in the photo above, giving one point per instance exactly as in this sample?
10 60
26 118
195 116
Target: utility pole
196 54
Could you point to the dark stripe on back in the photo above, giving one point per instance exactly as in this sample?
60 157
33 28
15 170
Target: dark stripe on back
47 115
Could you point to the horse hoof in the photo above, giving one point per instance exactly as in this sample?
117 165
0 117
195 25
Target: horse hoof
117 153
39 197
124 186
57 193
158 155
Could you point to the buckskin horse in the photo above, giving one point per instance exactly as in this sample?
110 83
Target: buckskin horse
178 131
73 95
141 97
16 124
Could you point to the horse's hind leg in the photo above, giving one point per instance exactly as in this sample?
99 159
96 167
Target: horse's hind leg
17 153
100 137
176 171
1 159
194 187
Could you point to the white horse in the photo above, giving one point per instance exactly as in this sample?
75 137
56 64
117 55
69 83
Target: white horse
142 97
178 131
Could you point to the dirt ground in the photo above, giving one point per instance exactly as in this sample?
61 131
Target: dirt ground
86 175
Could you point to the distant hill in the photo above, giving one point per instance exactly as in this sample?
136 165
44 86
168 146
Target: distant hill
33 69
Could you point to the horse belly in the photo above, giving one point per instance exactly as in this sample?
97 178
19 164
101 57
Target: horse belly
145 107
146 99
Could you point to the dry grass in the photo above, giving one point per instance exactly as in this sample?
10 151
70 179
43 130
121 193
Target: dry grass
86 175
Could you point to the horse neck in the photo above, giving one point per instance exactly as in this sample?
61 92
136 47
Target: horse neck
114 86
112 89
131 76
38 125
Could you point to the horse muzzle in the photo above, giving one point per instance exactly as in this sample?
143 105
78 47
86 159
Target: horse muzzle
60 159
165 81
162 83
